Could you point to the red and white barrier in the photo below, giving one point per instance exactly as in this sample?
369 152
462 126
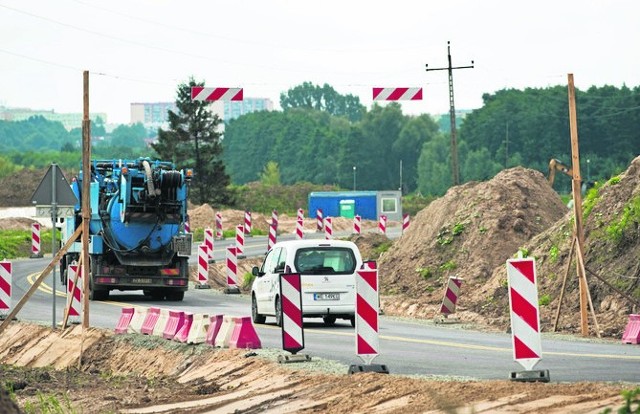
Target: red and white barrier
201 93
291 302
215 322
135 326
382 224
405 222
240 240
232 267
187 227
208 242
198 331
631 333
35 240
183 333
122 326
357 224
367 309
328 228
173 325
224 334
203 265
319 221
397 94
74 293
247 223
6 269
299 229
244 335
161 324
525 317
273 235
300 214
150 321
219 233
274 219
451 294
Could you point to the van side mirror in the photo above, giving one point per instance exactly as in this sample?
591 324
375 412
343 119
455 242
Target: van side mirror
255 270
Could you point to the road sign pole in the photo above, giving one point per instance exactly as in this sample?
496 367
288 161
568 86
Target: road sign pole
54 208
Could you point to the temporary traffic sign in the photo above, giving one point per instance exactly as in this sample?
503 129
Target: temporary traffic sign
200 93
397 94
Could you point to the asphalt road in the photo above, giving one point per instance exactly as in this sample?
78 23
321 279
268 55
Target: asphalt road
406 346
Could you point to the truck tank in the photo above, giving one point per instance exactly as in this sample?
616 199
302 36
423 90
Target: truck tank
137 239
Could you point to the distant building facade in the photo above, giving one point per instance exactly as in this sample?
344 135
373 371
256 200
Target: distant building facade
68 120
234 109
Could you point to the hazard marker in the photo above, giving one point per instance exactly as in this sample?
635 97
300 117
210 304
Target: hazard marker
203 267
319 221
448 307
357 224
187 227
292 326
299 229
200 93
525 319
240 241
74 293
219 233
232 270
367 310
6 269
328 228
382 224
300 214
274 219
273 234
247 224
36 252
405 222
208 242
397 94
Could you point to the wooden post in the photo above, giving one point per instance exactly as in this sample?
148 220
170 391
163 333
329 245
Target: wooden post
577 206
86 208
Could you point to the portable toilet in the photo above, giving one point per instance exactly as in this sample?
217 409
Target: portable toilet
348 208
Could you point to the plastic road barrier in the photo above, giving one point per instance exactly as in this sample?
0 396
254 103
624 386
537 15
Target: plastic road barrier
451 294
244 335
122 326
631 333
174 323
215 322
232 267
74 293
357 224
291 302
6 269
150 321
328 228
367 309
203 264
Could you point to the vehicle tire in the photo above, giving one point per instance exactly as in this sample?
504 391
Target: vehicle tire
353 321
278 311
157 295
98 294
255 316
175 296
329 320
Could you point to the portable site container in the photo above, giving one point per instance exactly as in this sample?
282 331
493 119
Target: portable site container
369 205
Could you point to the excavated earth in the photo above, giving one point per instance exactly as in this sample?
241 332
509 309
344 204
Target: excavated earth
469 233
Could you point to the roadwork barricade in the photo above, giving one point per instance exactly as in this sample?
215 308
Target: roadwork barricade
631 333
135 326
122 327
198 331
224 334
183 333
244 335
174 323
150 321
215 322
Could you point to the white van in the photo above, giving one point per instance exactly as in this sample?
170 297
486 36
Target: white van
328 276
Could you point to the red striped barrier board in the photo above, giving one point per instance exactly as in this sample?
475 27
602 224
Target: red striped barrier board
273 235
291 302
150 321
405 222
247 223
328 228
525 317
300 214
367 309
397 94
240 240
244 335
174 323
6 269
631 333
219 233
382 224
35 241
274 219
451 294
208 242
203 264
122 326
232 270
74 293
357 224
215 322
187 227
200 93
299 229
319 220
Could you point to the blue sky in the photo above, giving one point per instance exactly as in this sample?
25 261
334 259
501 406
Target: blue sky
140 50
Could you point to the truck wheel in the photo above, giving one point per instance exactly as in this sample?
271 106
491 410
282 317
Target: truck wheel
278 312
353 321
329 320
98 294
175 296
255 316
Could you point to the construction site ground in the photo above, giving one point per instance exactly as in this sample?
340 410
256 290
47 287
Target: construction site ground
469 233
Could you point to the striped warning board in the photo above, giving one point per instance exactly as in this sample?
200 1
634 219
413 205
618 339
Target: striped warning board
291 300
5 286
200 93
525 316
397 94
367 309
451 296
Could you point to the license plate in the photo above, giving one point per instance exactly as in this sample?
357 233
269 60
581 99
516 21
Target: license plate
326 296
141 280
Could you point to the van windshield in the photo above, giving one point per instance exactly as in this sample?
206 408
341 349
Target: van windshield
325 260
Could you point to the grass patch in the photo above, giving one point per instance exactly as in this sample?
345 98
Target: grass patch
17 243
630 215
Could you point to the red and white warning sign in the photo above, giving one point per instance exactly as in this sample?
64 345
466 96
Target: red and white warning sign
5 286
291 301
367 309
200 93
525 316
397 94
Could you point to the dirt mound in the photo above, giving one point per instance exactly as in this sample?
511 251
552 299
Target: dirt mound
17 189
16 223
142 374
470 231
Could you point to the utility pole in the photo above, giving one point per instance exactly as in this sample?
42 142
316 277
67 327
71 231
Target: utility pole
452 115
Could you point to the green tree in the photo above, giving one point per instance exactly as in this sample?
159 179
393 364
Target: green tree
193 140
271 174
434 167
322 98
131 136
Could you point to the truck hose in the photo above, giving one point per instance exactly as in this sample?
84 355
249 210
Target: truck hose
147 169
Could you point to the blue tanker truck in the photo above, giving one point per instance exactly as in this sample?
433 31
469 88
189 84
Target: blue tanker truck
136 233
